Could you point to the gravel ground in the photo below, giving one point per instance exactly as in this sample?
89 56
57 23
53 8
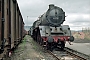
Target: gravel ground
81 41
30 50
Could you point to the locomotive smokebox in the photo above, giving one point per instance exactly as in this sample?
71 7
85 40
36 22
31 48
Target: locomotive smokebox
54 16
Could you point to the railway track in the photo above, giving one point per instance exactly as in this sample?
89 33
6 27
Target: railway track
57 58
60 55
68 54
77 54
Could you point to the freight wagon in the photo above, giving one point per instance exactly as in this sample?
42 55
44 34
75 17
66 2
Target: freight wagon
11 27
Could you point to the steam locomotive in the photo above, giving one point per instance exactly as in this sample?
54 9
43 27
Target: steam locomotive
49 30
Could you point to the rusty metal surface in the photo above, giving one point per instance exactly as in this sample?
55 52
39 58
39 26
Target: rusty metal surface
11 26
0 22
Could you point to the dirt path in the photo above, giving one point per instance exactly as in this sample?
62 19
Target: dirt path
29 50
26 51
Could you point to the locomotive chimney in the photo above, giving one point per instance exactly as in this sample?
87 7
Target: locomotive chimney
51 6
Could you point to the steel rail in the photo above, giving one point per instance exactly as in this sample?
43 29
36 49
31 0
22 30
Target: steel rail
57 58
77 54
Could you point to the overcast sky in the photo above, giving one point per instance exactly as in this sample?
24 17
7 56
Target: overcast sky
77 11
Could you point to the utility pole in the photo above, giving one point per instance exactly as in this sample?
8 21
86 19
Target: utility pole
27 20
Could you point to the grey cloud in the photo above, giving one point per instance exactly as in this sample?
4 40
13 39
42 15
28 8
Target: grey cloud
80 20
34 8
72 6
79 23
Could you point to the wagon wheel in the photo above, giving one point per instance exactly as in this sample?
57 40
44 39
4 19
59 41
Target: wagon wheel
41 41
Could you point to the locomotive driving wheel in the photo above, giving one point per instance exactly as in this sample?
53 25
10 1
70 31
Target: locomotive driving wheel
50 46
62 45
